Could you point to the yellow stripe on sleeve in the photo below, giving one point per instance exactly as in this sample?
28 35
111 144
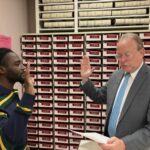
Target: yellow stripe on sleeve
24 108
2 145
6 98
3 114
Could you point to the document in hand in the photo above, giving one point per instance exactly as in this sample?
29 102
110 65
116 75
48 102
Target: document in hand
99 138
88 145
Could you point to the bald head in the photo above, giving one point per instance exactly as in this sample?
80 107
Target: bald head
134 37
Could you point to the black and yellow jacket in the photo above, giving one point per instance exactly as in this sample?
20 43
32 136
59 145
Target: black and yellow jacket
14 114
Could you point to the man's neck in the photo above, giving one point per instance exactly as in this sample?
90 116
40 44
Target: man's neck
5 83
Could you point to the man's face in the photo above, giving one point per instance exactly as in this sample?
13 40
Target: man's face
128 55
14 68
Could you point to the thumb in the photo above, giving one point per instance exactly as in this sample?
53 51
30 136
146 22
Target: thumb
111 140
93 68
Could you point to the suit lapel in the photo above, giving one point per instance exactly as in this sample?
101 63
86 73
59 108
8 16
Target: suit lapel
133 90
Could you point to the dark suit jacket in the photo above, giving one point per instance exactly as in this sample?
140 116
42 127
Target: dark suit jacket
134 122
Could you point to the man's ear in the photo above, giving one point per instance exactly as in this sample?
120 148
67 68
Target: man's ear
2 70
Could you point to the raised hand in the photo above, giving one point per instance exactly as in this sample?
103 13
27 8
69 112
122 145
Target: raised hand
86 69
28 81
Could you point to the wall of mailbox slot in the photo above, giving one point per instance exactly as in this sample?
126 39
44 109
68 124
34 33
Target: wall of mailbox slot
60 104
91 15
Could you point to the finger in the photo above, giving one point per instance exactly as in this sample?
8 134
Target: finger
93 68
84 53
111 140
105 147
85 56
27 70
85 60
28 67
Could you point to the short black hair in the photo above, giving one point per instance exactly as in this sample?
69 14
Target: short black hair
3 52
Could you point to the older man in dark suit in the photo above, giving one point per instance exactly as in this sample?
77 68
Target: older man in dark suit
127 98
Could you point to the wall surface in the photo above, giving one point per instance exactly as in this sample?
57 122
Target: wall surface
15 16
14 20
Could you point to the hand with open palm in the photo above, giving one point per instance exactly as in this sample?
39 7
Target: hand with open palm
86 69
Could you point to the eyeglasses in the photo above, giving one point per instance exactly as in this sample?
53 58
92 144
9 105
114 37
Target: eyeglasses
125 55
